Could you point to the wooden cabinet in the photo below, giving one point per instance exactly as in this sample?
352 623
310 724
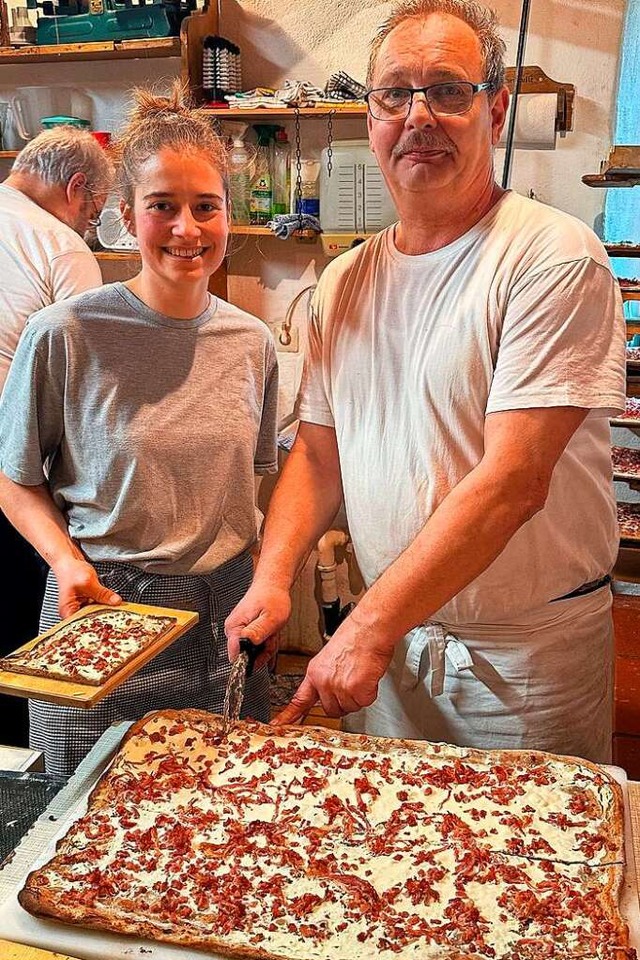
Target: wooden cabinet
626 724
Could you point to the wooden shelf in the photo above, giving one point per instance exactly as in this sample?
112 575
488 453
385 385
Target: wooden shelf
357 110
109 50
8 154
242 230
601 180
627 565
251 231
239 229
116 254
630 294
623 423
622 250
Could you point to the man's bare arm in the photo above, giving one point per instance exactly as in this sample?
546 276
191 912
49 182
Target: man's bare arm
305 501
303 505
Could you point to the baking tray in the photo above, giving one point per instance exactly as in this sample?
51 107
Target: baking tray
39 845
23 797
629 540
19 926
71 694
628 477
629 422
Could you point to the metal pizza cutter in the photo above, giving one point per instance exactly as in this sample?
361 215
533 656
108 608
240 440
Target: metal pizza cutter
241 668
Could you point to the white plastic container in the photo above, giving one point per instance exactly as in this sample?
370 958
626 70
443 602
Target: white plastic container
354 199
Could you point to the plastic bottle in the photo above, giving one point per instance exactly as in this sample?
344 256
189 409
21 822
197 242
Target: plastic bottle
240 173
262 182
281 173
309 201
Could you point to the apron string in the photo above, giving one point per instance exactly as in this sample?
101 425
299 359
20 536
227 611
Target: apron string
424 663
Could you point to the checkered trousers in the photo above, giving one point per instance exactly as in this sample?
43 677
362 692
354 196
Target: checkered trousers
191 672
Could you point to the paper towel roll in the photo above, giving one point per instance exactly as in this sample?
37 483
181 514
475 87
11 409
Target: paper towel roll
535 122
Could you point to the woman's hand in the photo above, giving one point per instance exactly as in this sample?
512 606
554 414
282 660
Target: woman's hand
78 585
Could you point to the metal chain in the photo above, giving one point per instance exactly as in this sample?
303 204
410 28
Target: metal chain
298 190
330 142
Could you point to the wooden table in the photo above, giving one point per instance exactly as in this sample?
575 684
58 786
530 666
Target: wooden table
15 951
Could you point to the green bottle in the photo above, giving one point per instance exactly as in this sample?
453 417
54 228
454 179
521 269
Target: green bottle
261 197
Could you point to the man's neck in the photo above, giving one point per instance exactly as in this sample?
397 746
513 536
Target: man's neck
424 228
50 197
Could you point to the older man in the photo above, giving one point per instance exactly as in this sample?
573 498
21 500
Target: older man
461 368
55 191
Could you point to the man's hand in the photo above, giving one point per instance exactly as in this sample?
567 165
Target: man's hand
78 585
259 617
343 677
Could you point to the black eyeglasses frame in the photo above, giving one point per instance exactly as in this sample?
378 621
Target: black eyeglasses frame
475 89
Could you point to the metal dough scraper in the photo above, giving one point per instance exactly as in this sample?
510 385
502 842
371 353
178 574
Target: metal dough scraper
241 668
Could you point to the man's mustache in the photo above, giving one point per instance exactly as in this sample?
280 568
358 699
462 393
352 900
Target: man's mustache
420 140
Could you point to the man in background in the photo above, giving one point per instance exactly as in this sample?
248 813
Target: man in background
461 369
56 190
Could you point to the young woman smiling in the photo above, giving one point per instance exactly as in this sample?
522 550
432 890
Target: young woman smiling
153 403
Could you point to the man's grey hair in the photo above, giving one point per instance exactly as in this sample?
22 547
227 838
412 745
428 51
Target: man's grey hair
55 155
482 20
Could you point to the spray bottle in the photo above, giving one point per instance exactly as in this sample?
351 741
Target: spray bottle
262 182
241 170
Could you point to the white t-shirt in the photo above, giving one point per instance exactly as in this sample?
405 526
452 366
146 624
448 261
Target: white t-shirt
41 260
408 354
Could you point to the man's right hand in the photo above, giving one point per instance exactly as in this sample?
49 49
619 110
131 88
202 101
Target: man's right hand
259 617
78 585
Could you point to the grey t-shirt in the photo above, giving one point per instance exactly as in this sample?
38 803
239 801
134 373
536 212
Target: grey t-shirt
152 428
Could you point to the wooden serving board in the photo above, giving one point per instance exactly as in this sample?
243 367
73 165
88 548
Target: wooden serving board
70 694
17 951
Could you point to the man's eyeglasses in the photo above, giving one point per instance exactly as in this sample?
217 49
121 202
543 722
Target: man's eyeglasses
443 99
96 219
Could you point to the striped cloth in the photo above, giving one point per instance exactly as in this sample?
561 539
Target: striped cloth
192 672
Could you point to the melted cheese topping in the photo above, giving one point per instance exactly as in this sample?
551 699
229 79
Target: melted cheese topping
93 647
305 849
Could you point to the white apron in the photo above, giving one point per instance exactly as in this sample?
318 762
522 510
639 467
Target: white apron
545 683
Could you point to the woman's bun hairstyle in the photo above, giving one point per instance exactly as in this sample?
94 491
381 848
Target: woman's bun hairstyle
158 122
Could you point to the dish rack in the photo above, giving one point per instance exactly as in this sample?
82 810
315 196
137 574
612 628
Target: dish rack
111 232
